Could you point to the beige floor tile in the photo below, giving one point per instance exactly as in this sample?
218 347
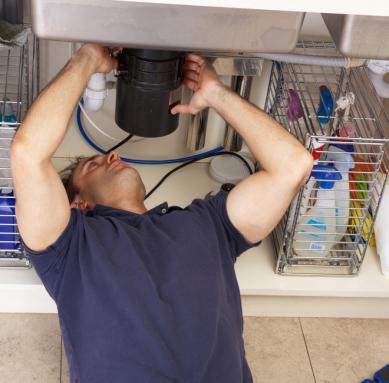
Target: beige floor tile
30 348
276 351
346 350
64 367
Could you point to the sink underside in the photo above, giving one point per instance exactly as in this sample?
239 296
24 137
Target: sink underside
165 26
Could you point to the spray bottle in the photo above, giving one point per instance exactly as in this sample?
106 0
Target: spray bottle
315 232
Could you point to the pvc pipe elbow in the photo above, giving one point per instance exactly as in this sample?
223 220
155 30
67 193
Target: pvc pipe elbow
95 92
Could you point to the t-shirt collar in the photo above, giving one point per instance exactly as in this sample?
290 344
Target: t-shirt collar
107 210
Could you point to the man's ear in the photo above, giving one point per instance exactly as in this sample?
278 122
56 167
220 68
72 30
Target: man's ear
79 203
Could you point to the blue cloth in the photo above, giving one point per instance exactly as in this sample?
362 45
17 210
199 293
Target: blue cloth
149 298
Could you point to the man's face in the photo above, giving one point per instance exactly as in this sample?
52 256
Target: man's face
105 180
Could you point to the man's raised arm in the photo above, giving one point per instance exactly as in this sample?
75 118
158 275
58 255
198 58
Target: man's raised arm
42 207
257 203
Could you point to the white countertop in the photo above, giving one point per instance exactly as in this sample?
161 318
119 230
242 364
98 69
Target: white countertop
255 271
372 8
22 291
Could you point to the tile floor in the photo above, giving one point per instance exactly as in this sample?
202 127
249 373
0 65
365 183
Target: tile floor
302 350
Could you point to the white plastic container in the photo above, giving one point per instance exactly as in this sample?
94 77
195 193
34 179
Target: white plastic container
343 161
376 72
381 230
315 233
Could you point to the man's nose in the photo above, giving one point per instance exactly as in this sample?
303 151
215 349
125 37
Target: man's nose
112 156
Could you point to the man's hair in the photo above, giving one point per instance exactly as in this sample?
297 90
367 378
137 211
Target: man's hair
67 175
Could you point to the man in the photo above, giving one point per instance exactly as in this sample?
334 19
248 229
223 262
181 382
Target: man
147 296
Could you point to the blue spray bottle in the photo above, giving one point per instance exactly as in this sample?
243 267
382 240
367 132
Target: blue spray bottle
326 105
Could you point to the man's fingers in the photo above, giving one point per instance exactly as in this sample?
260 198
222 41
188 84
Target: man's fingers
190 65
115 49
191 75
192 85
114 63
196 58
182 108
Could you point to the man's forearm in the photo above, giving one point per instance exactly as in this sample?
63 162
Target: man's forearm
269 142
45 124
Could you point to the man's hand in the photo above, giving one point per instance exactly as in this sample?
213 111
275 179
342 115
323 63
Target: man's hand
201 78
100 57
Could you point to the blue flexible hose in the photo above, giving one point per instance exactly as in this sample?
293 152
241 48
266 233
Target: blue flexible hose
146 162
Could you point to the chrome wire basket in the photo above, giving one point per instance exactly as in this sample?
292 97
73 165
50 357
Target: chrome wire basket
18 87
329 224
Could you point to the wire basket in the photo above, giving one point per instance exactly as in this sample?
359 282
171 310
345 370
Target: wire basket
329 224
18 87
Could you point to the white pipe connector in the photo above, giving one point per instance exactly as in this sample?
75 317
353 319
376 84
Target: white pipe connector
95 92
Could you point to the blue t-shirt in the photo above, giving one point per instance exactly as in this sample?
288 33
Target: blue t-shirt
149 298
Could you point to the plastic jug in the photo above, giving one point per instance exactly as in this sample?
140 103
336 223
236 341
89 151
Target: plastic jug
315 232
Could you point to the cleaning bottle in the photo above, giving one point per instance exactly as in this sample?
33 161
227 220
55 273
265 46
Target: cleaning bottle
326 107
339 155
315 232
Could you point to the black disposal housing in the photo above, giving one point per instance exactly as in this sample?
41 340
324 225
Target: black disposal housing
148 86
11 11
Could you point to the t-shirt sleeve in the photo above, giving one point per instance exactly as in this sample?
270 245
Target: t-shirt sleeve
217 206
50 263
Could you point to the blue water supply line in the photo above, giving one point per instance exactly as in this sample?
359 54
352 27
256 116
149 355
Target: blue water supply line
145 162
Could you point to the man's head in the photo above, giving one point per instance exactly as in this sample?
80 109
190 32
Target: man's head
105 180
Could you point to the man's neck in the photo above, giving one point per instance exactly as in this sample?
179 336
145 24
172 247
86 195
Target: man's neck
138 208
134 205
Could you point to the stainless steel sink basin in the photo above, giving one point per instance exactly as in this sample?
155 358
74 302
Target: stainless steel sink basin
165 26
359 36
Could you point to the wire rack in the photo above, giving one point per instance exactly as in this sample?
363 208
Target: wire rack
18 87
329 224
